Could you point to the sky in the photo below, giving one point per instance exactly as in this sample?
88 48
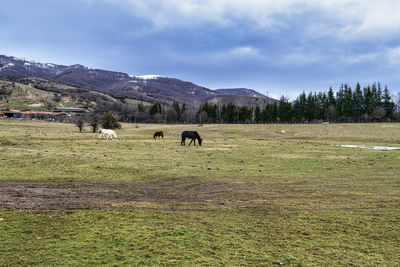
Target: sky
275 47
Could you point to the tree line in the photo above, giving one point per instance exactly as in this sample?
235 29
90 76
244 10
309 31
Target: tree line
370 103
367 104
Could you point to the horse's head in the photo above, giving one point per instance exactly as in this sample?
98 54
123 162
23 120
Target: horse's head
200 141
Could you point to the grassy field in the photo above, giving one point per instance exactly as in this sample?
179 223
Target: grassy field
250 196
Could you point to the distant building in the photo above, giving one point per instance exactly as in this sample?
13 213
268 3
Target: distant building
12 113
70 110
15 113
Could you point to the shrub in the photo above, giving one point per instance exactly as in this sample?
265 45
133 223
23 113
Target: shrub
110 121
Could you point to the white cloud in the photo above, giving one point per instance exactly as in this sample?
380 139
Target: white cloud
244 51
393 55
346 19
361 58
300 59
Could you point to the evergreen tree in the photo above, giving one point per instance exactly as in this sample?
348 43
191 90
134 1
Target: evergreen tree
388 104
331 98
229 114
244 114
155 108
141 107
211 111
310 107
358 103
299 107
257 114
348 105
179 109
284 110
368 100
340 102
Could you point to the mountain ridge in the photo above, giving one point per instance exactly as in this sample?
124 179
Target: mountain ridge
150 88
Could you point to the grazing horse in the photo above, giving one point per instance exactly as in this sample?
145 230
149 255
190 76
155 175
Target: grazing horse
107 133
158 134
191 134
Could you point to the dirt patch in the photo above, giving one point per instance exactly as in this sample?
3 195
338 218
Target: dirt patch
290 156
117 195
338 157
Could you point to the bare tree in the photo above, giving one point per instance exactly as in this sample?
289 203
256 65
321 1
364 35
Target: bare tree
171 115
379 113
189 115
94 123
397 115
203 117
80 122
331 113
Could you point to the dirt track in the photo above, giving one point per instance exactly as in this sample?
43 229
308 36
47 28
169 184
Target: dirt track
120 195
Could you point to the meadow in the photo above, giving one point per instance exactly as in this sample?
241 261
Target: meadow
251 195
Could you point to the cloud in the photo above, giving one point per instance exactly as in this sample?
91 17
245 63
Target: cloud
362 58
244 51
345 19
393 55
300 59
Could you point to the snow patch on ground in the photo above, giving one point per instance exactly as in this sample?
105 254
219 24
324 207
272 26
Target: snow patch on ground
370 147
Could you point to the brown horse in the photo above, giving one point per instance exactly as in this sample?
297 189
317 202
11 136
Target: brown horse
158 134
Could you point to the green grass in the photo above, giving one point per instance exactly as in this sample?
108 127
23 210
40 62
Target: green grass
26 97
135 101
60 75
250 196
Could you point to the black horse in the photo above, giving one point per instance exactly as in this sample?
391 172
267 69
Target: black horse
191 134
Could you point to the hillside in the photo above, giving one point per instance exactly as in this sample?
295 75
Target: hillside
240 92
240 100
148 88
43 95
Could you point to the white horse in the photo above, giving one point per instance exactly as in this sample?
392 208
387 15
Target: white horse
107 133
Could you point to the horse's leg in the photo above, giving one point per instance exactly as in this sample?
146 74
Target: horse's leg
183 141
191 141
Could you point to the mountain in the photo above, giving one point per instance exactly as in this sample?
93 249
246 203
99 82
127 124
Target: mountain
239 92
240 96
148 88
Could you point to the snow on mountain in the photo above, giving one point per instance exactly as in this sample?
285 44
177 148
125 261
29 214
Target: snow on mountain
148 77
